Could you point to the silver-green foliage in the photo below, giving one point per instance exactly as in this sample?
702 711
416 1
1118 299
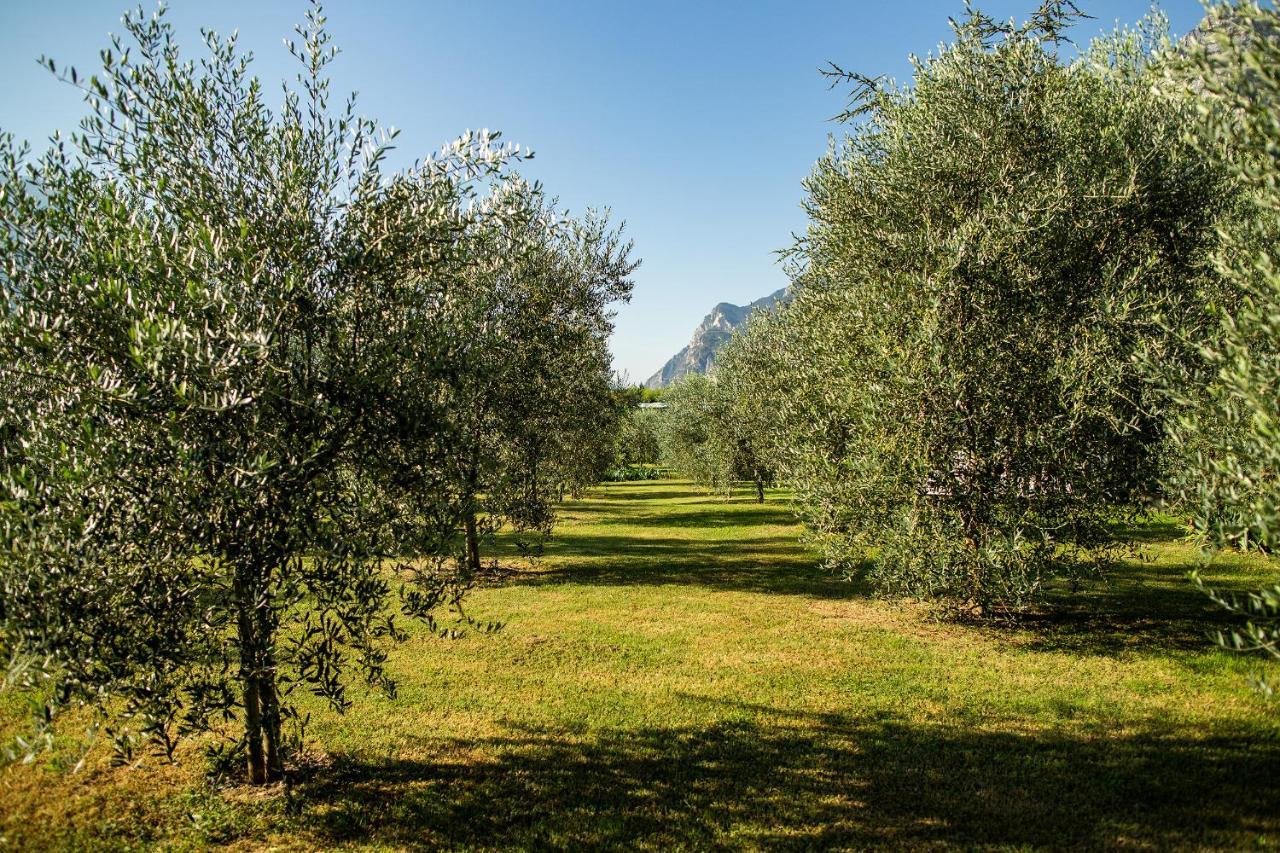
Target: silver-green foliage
1228 436
704 433
237 358
531 394
952 392
637 442
691 435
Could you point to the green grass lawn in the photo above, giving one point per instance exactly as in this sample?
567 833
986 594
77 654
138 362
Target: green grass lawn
677 672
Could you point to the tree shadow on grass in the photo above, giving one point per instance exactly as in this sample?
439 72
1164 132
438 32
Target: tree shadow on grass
765 565
1136 608
715 515
804 782
1139 607
1150 531
606 493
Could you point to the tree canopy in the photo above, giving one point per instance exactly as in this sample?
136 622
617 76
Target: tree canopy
953 391
249 375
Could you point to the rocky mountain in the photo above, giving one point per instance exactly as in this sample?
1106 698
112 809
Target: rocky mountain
712 333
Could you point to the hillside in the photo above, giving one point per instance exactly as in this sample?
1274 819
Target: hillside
712 333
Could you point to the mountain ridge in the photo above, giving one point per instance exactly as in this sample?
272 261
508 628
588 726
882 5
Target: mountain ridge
710 336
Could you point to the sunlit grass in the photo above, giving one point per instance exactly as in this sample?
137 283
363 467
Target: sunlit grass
676 671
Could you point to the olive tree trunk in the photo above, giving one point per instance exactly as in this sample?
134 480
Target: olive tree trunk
265 763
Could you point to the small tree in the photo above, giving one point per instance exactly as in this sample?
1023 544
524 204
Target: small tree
638 437
701 434
689 440
532 400
744 373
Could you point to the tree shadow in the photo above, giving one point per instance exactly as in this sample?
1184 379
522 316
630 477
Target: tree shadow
635 492
1150 531
714 515
1136 608
797 781
763 564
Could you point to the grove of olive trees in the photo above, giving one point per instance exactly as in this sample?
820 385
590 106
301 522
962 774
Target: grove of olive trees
272 412
956 390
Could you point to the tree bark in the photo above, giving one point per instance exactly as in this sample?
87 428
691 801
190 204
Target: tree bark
270 701
472 535
257 768
257 673
473 543
759 487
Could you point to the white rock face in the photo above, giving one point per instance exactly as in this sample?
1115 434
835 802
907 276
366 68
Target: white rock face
712 334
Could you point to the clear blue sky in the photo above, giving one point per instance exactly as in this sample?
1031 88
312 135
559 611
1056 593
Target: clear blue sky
694 121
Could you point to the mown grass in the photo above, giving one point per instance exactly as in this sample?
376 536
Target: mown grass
677 672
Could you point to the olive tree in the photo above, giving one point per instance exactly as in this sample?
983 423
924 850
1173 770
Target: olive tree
702 435
1229 477
953 392
233 341
638 437
691 439
744 375
1227 436
532 397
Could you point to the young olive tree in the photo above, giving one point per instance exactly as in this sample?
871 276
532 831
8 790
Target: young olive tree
230 341
692 439
638 432
702 435
532 400
952 391
742 375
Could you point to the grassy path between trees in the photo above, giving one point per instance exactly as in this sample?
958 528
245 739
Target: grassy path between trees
676 672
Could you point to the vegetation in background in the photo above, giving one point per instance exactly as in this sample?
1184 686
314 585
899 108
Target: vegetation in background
630 396
953 392
638 437
704 435
531 393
